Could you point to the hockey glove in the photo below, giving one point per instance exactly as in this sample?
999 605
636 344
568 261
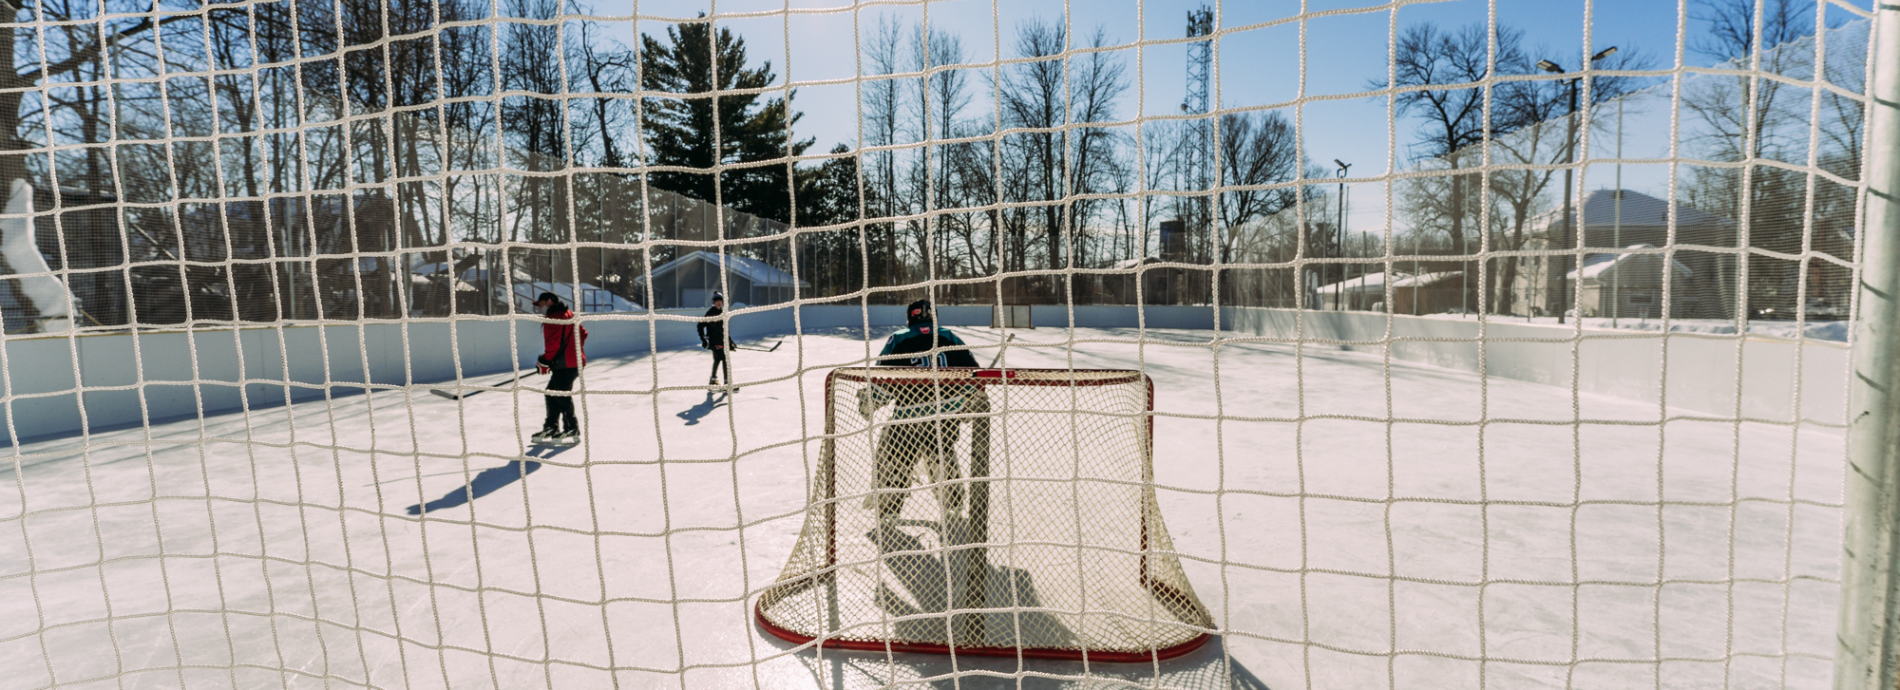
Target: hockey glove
541 369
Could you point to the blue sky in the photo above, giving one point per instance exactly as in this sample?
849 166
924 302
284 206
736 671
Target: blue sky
817 42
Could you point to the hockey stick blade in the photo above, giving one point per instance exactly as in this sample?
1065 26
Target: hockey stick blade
460 395
759 349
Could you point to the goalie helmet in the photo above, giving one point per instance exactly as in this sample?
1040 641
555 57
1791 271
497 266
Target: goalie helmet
918 314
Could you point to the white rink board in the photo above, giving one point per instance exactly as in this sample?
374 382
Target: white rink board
306 557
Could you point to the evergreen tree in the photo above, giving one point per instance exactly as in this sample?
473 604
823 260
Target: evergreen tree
751 128
828 196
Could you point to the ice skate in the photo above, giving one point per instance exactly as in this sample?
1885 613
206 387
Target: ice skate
546 434
571 437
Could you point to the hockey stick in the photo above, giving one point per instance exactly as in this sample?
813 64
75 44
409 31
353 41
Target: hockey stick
758 349
999 351
460 395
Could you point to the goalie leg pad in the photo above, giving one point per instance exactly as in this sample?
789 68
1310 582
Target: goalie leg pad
897 451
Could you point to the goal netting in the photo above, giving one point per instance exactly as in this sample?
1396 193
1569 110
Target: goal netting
1037 487
1470 343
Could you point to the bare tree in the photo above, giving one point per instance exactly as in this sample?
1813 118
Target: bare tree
1454 118
1256 151
1742 118
941 95
883 117
1041 97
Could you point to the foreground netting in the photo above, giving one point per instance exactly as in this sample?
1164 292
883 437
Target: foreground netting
1502 344
992 512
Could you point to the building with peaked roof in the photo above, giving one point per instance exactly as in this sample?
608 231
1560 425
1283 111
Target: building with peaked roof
688 282
1622 218
1629 284
1427 293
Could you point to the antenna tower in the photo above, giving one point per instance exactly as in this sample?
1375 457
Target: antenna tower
1200 132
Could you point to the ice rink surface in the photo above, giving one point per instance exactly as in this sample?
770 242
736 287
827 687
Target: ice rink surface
1351 523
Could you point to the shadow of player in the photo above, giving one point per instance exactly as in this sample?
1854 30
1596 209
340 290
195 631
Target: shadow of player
926 577
484 483
1211 667
693 414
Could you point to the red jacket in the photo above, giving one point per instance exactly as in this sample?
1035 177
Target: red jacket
556 335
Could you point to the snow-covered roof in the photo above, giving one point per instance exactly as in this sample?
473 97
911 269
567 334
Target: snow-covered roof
526 292
1425 279
1370 282
1599 210
424 268
1375 282
1595 265
760 273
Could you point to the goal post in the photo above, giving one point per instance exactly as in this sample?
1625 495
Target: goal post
1867 651
1036 533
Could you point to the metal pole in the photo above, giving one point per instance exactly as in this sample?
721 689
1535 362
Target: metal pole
1616 232
1570 223
1339 232
1866 641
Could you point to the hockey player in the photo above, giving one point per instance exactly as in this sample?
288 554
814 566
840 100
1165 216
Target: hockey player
899 447
564 353
712 336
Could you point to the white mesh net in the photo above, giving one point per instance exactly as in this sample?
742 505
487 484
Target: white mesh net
1547 388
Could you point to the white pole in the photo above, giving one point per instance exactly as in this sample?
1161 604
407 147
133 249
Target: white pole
1868 639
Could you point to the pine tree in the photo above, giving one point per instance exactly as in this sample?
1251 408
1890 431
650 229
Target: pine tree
751 128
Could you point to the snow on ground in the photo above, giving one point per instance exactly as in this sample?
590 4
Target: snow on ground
1814 330
1351 522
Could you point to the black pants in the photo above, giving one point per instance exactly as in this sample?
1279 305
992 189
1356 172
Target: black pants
561 407
721 357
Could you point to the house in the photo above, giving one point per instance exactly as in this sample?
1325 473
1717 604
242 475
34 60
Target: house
1426 293
1623 218
1355 294
1142 281
1631 284
688 282
591 300
1431 293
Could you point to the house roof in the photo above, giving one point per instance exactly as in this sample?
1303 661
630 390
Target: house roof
1599 210
760 273
1375 282
526 292
1595 265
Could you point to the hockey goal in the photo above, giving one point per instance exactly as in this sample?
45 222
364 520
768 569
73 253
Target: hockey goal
988 512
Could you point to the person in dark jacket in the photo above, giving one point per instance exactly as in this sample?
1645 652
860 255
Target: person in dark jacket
901 444
712 336
564 352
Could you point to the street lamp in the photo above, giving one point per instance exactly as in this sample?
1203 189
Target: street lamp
1570 159
1339 229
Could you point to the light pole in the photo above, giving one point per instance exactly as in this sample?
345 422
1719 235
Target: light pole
1339 229
1570 159
1616 232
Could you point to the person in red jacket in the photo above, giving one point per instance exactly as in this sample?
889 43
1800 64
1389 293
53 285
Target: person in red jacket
564 354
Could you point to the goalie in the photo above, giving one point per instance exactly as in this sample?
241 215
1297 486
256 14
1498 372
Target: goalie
903 443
